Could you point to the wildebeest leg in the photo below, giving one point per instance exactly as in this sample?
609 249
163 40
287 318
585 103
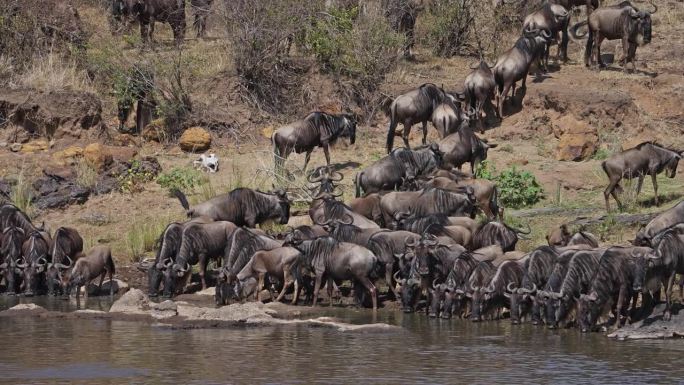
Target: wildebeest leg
610 190
405 134
287 282
655 187
625 53
425 132
295 295
667 314
203 270
640 181
152 31
388 278
326 151
102 277
502 99
480 118
307 158
631 56
622 297
260 286
317 287
371 289
329 285
599 60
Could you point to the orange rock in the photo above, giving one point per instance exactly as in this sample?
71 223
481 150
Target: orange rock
195 139
98 156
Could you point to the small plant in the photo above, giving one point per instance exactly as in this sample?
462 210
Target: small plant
601 154
518 188
21 195
450 27
132 180
142 237
86 175
507 148
486 170
181 178
205 192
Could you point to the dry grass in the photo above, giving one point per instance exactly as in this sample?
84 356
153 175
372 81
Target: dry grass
142 236
53 73
21 194
86 175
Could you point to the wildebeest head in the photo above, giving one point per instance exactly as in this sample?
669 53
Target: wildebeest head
671 166
409 292
588 311
476 295
245 288
423 249
55 274
284 204
559 236
326 179
35 253
12 240
348 128
519 299
645 267
437 292
641 24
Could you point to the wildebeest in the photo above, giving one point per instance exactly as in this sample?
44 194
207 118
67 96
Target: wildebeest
621 21
455 286
580 271
420 224
447 116
664 220
591 5
35 251
494 297
242 206
537 269
147 12
275 263
11 243
463 147
514 64
553 285
479 89
329 259
318 129
368 206
67 246
669 248
485 191
555 19
12 216
413 107
326 207
201 10
96 262
200 243
647 158
498 233
244 243
425 202
390 172
479 277
611 286
561 236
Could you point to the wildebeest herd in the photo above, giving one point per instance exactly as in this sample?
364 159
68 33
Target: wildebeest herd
34 262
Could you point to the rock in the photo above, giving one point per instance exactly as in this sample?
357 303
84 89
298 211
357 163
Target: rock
56 114
106 185
133 302
27 307
62 173
636 140
155 131
4 144
119 287
97 156
195 139
16 147
164 310
253 312
125 140
208 291
578 141
122 154
35 146
653 327
68 156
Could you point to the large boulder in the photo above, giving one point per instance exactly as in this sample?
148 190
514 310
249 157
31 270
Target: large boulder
195 139
98 156
133 302
56 114
35 146
578 141
68 156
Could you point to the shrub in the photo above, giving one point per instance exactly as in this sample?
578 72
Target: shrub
518 188
450 27
132 180
181 178
485 170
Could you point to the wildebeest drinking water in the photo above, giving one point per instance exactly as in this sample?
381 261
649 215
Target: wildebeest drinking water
648 158
318 129
67 245
35 252
97 262
242 206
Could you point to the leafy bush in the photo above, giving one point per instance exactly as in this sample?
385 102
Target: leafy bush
450 27
181 178
516 188
132 180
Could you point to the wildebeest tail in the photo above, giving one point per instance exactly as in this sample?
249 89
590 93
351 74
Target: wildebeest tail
494 203
357 182
110 265
377 270
182 198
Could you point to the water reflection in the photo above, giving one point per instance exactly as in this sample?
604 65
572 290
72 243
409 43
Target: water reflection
428 351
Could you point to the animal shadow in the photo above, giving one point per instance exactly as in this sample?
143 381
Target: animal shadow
664 199
345 165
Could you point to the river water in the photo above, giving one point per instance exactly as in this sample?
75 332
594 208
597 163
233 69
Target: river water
426 351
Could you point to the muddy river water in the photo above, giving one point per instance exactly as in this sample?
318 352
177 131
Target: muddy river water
54 350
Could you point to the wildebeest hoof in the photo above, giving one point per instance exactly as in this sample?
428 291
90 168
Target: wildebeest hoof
535 322
514 322
476 319
28 294
552 327
667 316
408 311
432 315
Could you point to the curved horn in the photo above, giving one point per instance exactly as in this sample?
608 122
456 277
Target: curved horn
22 265
336 176
509 288
324 223
71 262
655 7
397 278
185 269
410 242
349 222
546 33
434 286
314 179
41 259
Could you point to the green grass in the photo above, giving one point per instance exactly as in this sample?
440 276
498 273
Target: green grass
141 237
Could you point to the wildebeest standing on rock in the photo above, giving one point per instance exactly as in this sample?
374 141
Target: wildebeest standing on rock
413 107
242 206
327 258
147 12
97 262
201 9
479 90
318 129
660 223
274 263
514 64
622 21
648 158
392 171
669 250
67 245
